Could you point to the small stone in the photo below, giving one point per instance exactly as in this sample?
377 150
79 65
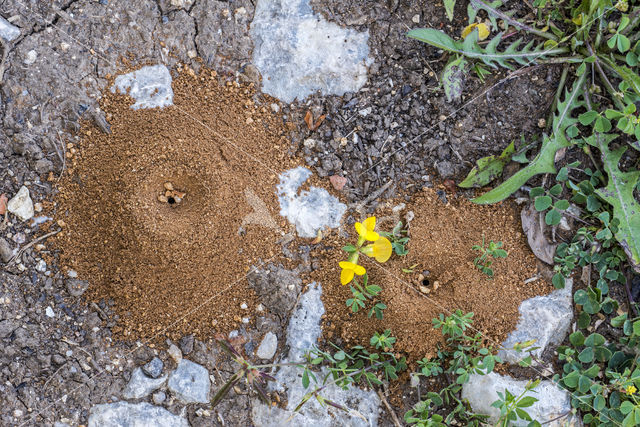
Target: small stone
140 385
153 368
175 353
415 19
168 186
190 382
268 346
309 143
275 108
249 120
158 397
30 57
21 205
7 327
192 53
49 312
365 111
6 251
542 123
338 182
41 266
244 306
72 273
76 287
186 344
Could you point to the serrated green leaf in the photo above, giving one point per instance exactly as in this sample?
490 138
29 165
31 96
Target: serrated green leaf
619 194
488 168
544 162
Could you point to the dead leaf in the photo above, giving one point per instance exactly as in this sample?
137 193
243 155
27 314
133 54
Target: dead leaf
3 204
318 238
450 185
319 122
338 182
534 229
308 119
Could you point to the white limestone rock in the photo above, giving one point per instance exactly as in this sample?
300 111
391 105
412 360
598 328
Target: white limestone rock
309 210
304 331
298 52
124 414
544 318
268 346
7 31
190 382
482 390
150 86
140 385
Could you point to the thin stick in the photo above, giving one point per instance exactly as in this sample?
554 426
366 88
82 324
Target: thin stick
31 243
392 413
3 61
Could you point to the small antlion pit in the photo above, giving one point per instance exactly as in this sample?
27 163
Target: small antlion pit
171 196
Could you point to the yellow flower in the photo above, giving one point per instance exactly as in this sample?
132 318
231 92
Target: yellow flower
365 229
630 389
349 269
381 249
483 31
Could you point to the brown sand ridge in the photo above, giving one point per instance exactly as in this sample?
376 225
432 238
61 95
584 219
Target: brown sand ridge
440 247
159 253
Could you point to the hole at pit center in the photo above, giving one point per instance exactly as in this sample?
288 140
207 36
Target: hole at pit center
171 200
425 282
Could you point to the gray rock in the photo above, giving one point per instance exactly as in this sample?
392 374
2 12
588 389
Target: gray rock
482 391
150 86
268 346
141 385
6 251
445 169
309 210
7 31
153 368
76 287
298 52
124 414
21 205
303 332
545 319
43 166
190 382
186 344
7 326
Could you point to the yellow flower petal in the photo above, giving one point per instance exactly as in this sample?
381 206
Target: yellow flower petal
483 30
382 249
370 223
360 229
365 232
372 236
347 265
346 276
359 270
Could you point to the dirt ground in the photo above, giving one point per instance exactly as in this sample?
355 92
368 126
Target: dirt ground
56 368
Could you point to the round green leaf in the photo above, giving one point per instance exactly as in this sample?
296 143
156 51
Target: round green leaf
586 355
561 205
580 297
542 203
576 338
553 217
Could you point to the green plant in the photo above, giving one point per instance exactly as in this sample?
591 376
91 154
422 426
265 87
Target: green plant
398 237
363 293
512 407
461 357
482 262
383 341
599 40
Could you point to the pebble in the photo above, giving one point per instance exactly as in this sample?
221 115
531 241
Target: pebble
275 108
175 353
153 368
186 344
416 19
6 251
309 143
49 312
76 287
158 397
72 273
244 306
133 414
21 204
31 57
268 346
41 266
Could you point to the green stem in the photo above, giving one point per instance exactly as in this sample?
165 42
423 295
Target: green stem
605 79
634 21
563 80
